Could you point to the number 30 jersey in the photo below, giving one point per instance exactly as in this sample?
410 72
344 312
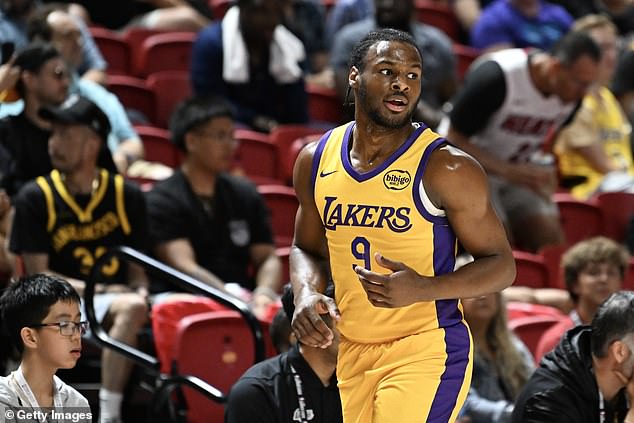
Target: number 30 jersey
384 210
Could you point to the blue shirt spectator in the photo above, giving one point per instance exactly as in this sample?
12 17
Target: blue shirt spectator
506 24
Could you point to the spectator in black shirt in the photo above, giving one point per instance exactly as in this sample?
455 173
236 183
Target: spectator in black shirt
298 385
207 223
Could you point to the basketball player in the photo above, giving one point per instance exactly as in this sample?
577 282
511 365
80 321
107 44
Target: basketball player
383 205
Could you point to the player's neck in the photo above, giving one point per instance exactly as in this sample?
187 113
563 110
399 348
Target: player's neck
40 379
586 312
201 180
373 144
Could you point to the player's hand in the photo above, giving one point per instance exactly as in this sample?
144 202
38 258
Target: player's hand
308 326
400 288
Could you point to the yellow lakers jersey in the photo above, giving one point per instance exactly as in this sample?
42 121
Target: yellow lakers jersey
384 210
606 124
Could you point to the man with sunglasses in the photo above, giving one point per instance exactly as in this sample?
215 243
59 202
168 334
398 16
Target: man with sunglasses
40 315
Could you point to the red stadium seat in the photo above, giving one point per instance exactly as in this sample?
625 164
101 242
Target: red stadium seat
115 50
518 310
580 219
134 94
439 15
531 328
324 104
158 147
551 254
617 209
283 204
284 136
170 88
135 37
531 270
257 157
166 52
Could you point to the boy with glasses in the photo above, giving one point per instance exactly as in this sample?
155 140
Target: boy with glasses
40 314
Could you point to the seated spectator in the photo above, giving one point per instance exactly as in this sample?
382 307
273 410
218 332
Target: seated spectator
206 223
14 15
40 313
44 81
594 269
66 220
594 151
519 24
253 61
509 103
298 385
589 376
61 30
439 62
501 364
165 15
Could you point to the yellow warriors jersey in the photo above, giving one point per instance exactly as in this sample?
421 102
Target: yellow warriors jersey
384 210
80 234
599 120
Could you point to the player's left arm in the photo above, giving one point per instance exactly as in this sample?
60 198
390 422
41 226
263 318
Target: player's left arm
456 183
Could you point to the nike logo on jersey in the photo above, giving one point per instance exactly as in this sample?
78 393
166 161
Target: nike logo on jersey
323 174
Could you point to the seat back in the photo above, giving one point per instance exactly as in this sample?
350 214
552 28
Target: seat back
518 310
256 156
158 147
166 52
134 94
440 16
531 328
283 204
551 254
617 209
324 104
224 355
283 136
531 270
170 88
579 219
115 50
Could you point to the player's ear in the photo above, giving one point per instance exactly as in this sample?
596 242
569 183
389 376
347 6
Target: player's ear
353 76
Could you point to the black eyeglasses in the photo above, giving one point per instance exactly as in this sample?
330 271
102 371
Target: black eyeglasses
66 328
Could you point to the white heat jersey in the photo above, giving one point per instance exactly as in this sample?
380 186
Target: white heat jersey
526 116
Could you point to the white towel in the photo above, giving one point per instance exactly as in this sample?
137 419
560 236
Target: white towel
286 52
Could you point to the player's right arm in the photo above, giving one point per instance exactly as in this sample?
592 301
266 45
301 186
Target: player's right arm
309 261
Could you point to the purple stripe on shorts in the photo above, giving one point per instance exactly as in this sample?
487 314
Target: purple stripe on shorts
457 341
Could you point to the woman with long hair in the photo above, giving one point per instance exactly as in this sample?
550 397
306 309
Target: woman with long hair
502 363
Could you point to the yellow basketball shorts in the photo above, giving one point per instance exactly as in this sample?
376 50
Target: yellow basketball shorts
420 378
